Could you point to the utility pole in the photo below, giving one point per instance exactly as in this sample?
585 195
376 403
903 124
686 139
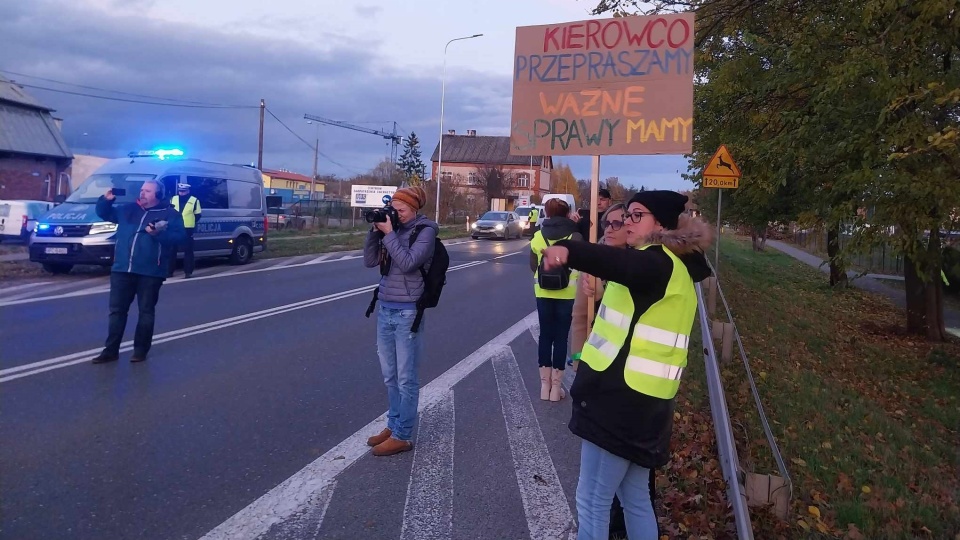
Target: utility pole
313 180
260 148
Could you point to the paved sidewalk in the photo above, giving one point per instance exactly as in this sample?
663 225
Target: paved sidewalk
870 282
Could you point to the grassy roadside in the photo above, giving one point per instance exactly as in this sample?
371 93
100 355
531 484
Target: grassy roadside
866 417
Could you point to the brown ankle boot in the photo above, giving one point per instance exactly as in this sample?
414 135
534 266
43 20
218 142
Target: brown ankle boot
556 385
544 383
392 446
379 438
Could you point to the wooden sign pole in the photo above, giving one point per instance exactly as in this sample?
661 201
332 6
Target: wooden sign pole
594 223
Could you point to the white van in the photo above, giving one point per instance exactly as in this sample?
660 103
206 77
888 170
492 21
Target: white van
566 197
19 218
523 212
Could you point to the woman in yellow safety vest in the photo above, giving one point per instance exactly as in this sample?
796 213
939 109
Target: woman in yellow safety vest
624 393
554 299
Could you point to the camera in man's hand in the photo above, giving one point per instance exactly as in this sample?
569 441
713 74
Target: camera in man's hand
381 215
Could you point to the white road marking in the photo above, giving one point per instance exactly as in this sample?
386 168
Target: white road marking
544 502
508 255
79 285
307 523
428 512
29 298
42 366
294 261
6 290
319 259
294 493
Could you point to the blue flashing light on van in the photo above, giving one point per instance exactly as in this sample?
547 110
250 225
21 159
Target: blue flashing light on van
234 210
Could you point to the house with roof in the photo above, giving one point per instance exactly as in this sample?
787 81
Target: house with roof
466 156
291 187
34 158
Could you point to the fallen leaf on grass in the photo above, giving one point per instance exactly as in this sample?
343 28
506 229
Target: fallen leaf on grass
853 533
814 511
866 489
799 462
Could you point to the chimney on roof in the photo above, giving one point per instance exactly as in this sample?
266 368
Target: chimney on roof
451 132
471 133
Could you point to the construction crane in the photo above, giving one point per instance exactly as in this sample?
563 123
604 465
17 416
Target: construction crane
395 140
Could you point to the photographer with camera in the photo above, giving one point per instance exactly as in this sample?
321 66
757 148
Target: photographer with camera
147 232
399 343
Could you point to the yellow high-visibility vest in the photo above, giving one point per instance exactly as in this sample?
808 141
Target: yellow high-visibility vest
658 347
538 244
190 210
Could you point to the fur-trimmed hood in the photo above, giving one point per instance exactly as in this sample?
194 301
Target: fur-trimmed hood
688 242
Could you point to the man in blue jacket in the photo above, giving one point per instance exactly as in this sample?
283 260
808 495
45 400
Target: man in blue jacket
147 232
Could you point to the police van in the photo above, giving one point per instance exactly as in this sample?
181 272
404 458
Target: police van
234 222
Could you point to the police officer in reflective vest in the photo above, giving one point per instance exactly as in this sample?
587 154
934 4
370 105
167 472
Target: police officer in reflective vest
534 217
189 208
624 393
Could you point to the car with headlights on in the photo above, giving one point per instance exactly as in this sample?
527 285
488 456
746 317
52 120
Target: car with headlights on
497 224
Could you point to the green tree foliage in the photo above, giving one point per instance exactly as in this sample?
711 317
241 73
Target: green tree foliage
843 112
411 161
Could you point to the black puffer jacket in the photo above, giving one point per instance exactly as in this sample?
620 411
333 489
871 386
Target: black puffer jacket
554 229
606 411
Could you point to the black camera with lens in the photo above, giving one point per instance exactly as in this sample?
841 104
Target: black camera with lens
381 215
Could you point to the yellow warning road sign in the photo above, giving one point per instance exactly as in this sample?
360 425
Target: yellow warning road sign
721 171
722 183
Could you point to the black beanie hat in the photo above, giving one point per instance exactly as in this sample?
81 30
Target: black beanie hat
666 206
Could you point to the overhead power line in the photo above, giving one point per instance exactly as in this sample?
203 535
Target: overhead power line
114 91
138 101
309 145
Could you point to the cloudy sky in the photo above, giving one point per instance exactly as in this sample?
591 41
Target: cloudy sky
369 62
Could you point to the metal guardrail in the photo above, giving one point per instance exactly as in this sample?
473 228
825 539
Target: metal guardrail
781 464
726 444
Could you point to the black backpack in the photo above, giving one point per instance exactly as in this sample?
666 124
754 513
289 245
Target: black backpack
434 279
555 279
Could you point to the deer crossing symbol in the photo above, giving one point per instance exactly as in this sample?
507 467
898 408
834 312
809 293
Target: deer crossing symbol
724 164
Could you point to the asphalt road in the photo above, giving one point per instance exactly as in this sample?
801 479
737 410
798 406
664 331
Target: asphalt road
260 384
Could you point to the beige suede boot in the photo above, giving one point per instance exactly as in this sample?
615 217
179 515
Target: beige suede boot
545 383
556 387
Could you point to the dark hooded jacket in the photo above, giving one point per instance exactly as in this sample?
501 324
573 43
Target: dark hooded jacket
554 229
136 251
606 411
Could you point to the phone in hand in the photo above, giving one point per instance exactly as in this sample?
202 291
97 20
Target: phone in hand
118 191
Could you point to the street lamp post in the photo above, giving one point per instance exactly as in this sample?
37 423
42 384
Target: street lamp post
443 91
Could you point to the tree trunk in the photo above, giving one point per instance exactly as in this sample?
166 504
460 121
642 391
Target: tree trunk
916 298
763 239
925 298
838 275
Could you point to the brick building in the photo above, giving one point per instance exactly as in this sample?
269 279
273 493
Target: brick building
34 158
464 156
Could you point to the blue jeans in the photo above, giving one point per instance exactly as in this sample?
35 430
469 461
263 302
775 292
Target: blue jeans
400 352
555 318
602 475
